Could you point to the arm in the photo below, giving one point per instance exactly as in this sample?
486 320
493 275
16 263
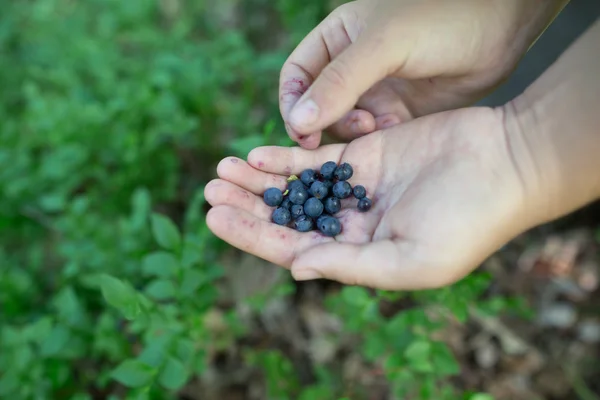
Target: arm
553 130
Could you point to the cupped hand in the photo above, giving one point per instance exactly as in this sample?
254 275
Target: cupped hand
372 64
445 192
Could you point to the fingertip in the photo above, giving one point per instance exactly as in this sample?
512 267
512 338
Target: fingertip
386 121
210 189
310 142
226 164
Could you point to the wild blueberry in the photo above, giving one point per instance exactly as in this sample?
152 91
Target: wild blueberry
328 169
342 190
319 190
364 204
333 205
295 184
328 183
273 197
308 176
303 224
344 172
298 196
313 207
286 203
297 210
321 218
281 216
359 191
330 226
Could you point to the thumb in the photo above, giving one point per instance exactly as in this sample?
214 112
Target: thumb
385 264
339 85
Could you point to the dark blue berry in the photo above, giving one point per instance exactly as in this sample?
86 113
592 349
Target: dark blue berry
364 204
313 207
321 218
344 172
303 224
328 169
286 203
273 197
281 216
330 226
296 184
298 196
342 190
333 205
359 191
319 190
308 176
329 184
297 210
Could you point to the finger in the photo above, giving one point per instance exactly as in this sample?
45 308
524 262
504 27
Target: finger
293 160
238 172
277 244
386 264
354 124
386 121
219 192
339 85
309 58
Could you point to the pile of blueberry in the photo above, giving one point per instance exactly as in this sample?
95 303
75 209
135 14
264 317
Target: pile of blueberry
312 201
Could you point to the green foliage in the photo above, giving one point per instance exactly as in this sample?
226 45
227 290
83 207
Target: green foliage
113 115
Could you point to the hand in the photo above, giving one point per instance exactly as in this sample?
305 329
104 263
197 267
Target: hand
372 64
445 196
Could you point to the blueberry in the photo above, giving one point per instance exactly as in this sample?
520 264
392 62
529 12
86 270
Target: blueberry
296 184
321 218
329 184
319 190
333 205
344 172
281 216
359 191
308 176
298 196
330 226
273 197
328 169
313 207
286 203
303 224
342 190
297 210
364 204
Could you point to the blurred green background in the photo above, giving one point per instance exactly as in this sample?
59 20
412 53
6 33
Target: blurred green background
113 115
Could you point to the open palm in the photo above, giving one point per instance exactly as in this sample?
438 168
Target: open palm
444 198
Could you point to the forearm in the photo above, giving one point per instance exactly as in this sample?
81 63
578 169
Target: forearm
553 131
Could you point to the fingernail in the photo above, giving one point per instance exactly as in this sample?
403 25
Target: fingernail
306 275
356 127
304 113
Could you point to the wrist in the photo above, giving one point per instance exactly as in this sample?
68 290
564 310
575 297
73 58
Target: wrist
553 133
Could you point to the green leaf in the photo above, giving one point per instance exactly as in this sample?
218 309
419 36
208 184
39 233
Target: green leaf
443 360
9 382
133 373
481 396
191 281
173 375
417 355
165 232
161 263
55 341
355 295
161 289
120 295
